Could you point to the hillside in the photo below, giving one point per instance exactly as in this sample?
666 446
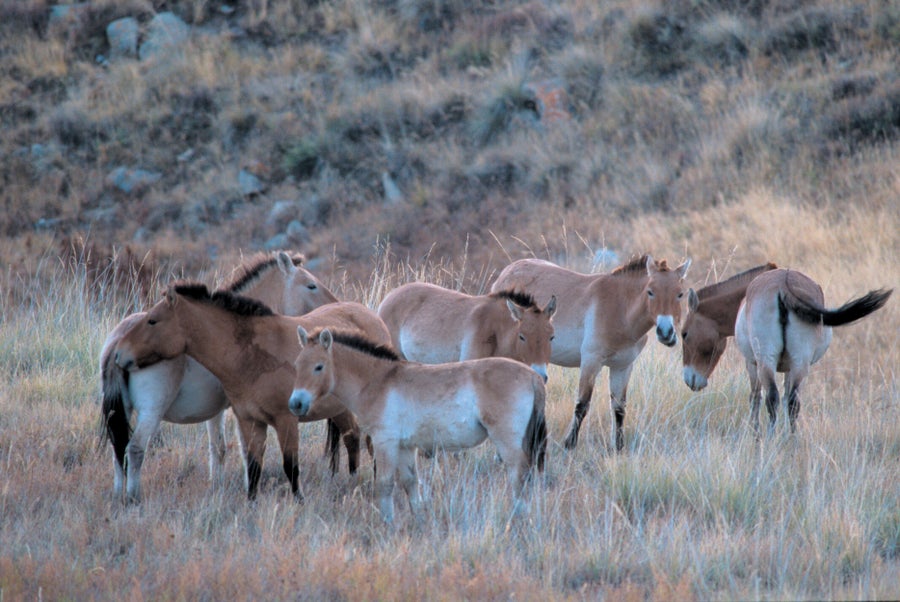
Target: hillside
434 128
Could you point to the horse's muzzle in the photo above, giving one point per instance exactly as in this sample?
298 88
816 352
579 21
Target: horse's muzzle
694 380
665 331
299 402
541 369
123 362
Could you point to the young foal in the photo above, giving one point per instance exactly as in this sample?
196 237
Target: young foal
247 347
408 405
603 320
182 391
709 322
435 325
783 326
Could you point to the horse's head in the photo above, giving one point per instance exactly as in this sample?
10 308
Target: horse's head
702 345
313 371
664 291
303 292
157 337
534 334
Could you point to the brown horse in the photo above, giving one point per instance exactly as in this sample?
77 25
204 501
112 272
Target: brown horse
602 320
407 406
182 391
435 325
709 322
249 349
783 326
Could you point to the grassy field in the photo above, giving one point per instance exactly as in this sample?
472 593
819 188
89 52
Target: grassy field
694 508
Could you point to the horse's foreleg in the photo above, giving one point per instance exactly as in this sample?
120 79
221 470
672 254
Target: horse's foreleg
253 436
289 441
346 423
585 391
386 460
618 394
147 426
409 481
215 430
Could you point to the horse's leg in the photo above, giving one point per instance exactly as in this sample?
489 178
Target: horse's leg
753 373
792 380
618 393
253 436
148 420
346 424
409 481
768 385
215 430
585 390
386 460
289 440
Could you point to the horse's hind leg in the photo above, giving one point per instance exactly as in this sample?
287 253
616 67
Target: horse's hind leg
770 388
215 429
618 392
792 380
147 426
585 391
409 481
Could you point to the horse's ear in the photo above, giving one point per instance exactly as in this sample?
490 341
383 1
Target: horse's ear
302 336
693 300
171 296
683 268
651 265
325 339
285 263
551 307
514 310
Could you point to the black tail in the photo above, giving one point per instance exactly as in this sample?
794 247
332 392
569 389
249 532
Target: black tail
114 424
845 314
332 445
535 440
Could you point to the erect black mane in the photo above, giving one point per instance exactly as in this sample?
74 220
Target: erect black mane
638 264
360 343
747 275
236 304
255 268
518 297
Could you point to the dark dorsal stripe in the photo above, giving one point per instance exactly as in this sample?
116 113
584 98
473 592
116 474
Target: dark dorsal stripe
359 343
236 304
518 297
637 265
255 269
744 277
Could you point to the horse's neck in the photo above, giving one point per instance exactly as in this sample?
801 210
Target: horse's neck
267 288
723 307
628 293
358 378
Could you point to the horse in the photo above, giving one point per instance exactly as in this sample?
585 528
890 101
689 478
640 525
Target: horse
434 325
782 325
244 344
603 320
182 391
709 322
406 406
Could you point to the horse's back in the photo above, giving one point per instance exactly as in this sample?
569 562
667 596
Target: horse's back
348 315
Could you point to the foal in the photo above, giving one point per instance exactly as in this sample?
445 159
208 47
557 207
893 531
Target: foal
407 406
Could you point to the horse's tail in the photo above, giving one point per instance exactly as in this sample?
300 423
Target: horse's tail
114 424
535 440
845 314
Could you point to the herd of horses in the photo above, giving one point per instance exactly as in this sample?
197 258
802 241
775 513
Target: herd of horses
435 369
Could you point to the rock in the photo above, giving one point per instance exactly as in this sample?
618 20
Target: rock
279 241
122 35
165 33
297 232
282 213
250 184
392 193
131 180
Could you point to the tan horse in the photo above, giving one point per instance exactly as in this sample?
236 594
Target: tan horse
406 406
435 325
783 326
182 391
602 320
709 322
249 349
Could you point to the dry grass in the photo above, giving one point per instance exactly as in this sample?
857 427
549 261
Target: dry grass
694 509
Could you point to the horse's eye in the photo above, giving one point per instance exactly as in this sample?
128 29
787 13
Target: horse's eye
552 337
521 337
680 295
311 287
684 335
319 368
650 294
151 322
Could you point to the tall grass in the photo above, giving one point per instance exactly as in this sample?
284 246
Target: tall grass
695 508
